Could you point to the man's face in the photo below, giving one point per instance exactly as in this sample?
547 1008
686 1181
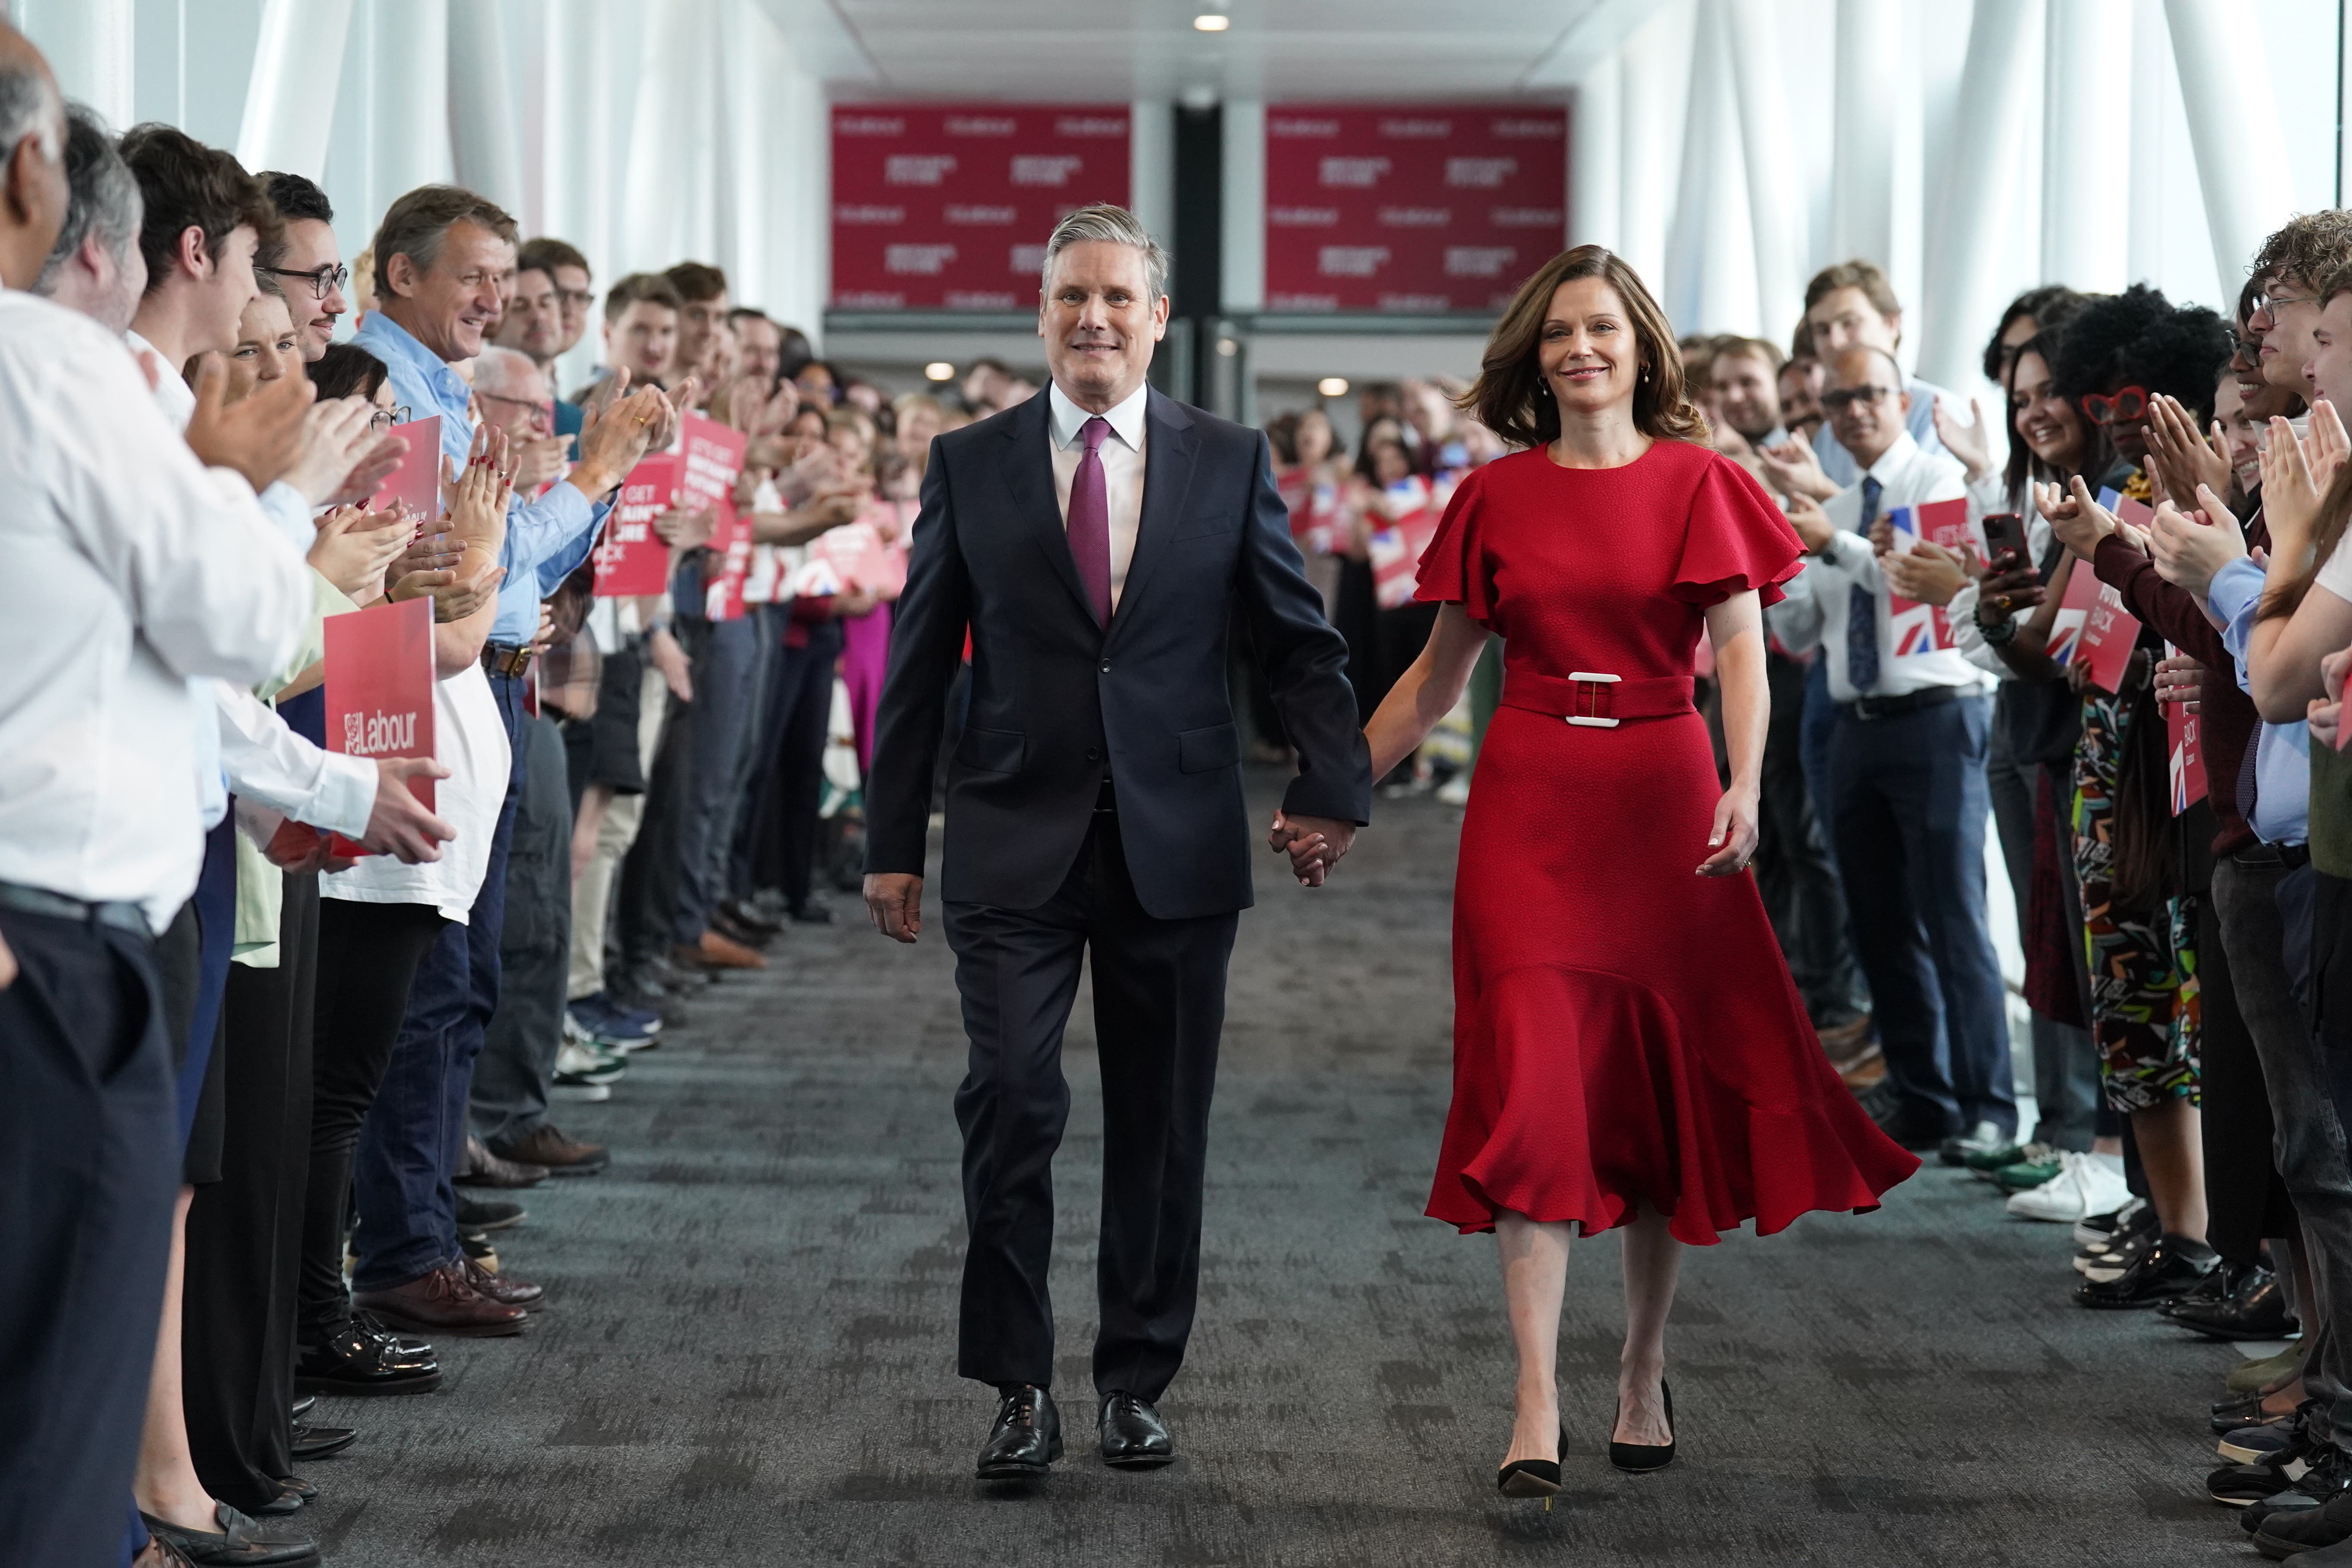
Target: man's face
1745 394
267 347
2286 319
517 402
223 288
698 325
1846 318
534 323
1800 385
451 306
33 178
641 340
2329 373
1099 322
571 289
759 347
310 247
1865 403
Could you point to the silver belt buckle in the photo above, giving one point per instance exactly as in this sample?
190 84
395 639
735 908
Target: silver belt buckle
1584 677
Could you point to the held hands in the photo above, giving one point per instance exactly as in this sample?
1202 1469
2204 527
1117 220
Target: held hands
1315 845
1735 835
893 901
1966 442
260 436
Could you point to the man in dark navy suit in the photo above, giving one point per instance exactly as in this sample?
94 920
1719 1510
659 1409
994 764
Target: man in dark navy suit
1101 542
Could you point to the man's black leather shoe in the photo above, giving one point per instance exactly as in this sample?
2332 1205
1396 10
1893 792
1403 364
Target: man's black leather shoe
302 1405
365 1358
241 1541
2254 1308
2173 1267
1026 1438
1133 1435
322 1442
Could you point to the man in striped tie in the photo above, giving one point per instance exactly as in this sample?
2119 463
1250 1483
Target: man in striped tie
1099 541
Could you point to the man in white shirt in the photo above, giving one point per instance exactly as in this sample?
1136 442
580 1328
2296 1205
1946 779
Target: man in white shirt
1851 305
131 571
1907 798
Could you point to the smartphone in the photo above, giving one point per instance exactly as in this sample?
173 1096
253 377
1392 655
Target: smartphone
2005 531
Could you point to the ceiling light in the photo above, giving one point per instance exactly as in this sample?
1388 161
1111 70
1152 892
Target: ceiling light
1228 348
939 370
1332 386
1210 22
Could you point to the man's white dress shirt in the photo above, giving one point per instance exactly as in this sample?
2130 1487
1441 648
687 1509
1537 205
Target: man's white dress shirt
1814 612
131 571
1122 461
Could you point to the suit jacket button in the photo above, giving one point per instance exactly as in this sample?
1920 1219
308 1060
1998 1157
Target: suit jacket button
1105 666
1093 755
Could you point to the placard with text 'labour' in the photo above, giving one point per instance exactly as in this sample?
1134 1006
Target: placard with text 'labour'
379 688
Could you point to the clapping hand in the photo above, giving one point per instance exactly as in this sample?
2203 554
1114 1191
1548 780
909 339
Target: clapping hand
2190 547
2297 474
1813 524
2075 517
1930 574
260 436
2178 456
353 549
1792 470
1966 442
1314 844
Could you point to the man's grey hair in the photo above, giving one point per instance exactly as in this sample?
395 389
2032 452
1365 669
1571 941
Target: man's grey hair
27 104
104 203
499 369
1116 226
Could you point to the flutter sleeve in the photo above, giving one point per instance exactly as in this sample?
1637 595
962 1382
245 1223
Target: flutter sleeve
1736 540
1453 569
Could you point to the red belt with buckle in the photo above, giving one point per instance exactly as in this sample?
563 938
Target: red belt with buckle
1597 701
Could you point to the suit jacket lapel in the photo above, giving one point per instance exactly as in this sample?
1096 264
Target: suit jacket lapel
1168 442
1029 475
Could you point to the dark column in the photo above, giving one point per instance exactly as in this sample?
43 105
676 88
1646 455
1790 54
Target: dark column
1198 288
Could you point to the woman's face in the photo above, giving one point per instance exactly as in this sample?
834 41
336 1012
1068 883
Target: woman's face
1313 437
1588 349
917 427
849 440
1389 463
266 347
2014 336
2050 426
817 385
2243 433
2129 435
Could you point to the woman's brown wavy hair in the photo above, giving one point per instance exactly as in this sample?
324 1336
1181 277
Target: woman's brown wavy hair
1510 397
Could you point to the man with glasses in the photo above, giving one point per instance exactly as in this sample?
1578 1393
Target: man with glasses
547 314
1851 305
1907 769
306 264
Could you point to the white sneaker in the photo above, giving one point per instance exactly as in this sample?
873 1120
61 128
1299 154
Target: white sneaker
2084 1187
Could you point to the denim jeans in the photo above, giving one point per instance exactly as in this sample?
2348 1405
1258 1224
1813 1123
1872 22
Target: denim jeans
516 1067
1909 830
726 666
416 1131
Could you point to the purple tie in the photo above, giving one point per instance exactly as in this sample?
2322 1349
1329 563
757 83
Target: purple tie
1089 522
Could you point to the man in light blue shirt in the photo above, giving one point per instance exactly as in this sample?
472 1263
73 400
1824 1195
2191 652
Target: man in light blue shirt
1850 306
2280 810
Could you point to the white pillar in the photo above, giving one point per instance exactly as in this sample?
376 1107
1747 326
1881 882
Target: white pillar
2233 127
1656 78
1868 80
1710 274
1776 202
485 141
409 114
1242 252
89 46
290 100
1972 209
1152 166
1596 157
2082 239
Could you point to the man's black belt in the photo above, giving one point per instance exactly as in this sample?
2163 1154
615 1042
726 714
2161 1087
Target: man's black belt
2294 856
1870 708
56 906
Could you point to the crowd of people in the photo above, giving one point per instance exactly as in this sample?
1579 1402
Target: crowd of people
280 1036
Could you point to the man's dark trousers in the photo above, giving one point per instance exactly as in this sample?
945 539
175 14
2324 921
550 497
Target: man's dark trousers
516 1067
89 1162
1911 808
1159 1008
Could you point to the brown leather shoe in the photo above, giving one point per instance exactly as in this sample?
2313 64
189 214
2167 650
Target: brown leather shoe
480 1168
543 1145
503 1288
717 952
442 1303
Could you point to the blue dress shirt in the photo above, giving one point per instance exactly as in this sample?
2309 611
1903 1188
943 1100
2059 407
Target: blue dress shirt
2282 812
547 539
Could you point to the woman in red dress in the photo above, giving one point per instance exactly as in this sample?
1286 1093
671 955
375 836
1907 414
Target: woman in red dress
1629 1049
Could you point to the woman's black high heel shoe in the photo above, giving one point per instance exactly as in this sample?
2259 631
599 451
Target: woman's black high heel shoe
1532 1478
1636 1457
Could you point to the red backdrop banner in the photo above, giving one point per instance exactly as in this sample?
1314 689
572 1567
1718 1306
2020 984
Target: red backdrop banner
948 206
1427 208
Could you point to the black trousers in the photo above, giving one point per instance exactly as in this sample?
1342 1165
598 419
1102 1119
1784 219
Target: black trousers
2245 1198
783 822
88 1167
647 905
1794 874
245 1231
368 955
1159 1008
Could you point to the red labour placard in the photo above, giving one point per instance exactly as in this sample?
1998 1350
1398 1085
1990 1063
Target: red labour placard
379 688
948 206
631 558
710 455
417 483
1414 208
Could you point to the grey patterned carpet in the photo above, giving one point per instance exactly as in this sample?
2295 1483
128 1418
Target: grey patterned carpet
750 1358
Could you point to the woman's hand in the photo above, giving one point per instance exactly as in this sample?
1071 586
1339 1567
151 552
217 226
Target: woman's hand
478 497
1734 838
1969 443
353 548
2188 550
2077 519
2186 460
2001 595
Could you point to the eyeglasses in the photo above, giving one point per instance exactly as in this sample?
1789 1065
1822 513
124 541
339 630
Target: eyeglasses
2250 347
576 299
2127 406
1839 399
544 412
323 280
385 418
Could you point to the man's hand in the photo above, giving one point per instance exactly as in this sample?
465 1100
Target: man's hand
541 639
613 440
1734 836
1969 443
1929 573
399 826
378 457
539 460
2177 679
1792 470
260 436
335 437
2293 481
2325 718
352 548
452 601
2075 517
893 901
2188 550
687 527
677 671
300 849
1813 524
1314 844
